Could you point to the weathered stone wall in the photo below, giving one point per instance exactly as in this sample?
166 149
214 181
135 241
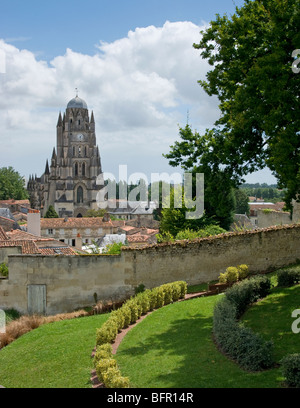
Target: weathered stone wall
267 219
6 251
71 281
203 260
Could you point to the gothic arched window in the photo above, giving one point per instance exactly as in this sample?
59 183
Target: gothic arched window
83 169
76 169
79 195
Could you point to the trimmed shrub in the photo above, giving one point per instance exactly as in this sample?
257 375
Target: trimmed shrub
160 296
183 287
242 294
125 310
232 274
223 278
102 352
167 293
107 332
288 277
291 369
118 317
248 349
130 312
120 382
243 271
102 367
135 309
176 291
152 296
113 379
144 302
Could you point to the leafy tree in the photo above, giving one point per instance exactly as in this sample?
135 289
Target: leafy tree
251 58
12 185
242 202
193 155
51 213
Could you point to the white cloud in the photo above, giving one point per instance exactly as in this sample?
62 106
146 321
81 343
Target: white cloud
140 88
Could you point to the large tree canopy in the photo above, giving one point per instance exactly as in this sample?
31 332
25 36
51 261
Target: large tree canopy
193 153
251 58
12 185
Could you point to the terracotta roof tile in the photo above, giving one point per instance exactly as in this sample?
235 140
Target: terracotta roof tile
57 251
93 222
3 235
28 247
19 234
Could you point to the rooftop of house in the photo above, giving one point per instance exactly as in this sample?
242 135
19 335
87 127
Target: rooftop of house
32 244
275 206
92 222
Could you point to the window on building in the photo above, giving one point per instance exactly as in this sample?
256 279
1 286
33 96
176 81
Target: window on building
83 169
76 169
50 231
79 195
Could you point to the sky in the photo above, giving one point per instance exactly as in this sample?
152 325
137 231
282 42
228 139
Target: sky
132 61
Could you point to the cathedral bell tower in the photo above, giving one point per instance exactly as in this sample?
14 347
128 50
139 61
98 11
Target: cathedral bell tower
69 183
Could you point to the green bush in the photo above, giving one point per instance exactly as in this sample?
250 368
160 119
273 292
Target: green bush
139 289
243 271
248 349
160 296
103 366
104 351
135 309
288 277
144 302
152 296
291 369
113 379
167 293
232 274
118 317
125 310
176 291
243 293
3 269
118 381
107 332
186 234
183 288
113 249
129 313
164 237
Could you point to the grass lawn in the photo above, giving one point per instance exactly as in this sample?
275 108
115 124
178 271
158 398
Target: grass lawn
170 348
271 317
173 348
55 355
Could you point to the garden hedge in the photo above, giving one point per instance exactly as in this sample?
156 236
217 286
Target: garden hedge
144 302
248 349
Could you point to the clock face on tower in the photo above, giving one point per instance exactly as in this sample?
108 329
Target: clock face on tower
80 137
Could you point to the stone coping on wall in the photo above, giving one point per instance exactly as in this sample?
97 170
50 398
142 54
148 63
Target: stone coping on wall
179 243
225 235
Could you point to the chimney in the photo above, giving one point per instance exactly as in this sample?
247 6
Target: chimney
78 242
34 222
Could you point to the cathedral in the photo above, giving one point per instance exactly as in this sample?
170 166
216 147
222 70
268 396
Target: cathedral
69 182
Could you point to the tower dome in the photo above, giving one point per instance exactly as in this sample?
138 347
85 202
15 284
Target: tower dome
77 103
